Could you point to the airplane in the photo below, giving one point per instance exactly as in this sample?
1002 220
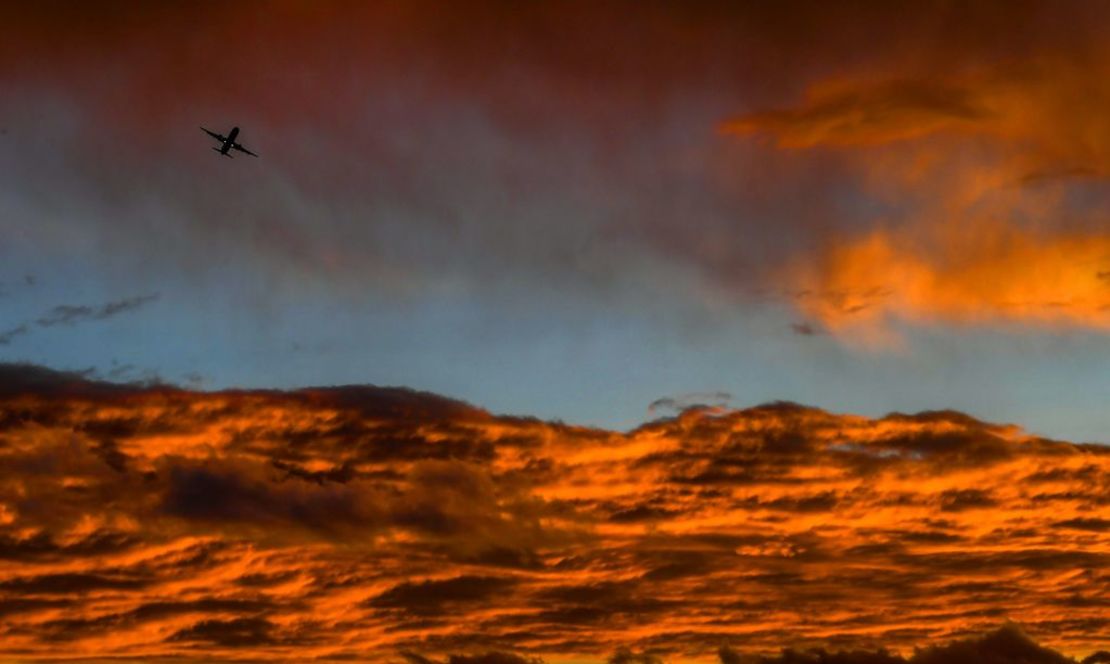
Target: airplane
228 142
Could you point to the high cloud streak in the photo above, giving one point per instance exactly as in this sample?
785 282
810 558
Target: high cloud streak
382 523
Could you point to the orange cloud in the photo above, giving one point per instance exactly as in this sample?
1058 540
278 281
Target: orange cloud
364 523
842 114
980 273
980 194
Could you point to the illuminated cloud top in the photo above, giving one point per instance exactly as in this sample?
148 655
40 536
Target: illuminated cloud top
369 522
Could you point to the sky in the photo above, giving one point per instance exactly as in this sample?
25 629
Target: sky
569 210
588 225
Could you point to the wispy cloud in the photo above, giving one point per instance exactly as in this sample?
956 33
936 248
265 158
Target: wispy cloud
67 314
805 329
673 404
9 335
845 114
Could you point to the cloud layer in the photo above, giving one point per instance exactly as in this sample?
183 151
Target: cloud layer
366 522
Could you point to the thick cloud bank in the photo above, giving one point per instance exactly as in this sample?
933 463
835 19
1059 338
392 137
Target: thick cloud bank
366 522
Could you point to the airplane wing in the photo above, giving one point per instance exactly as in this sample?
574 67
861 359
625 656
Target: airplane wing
240 148
214 135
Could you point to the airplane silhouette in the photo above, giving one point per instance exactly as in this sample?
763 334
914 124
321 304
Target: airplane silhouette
228 143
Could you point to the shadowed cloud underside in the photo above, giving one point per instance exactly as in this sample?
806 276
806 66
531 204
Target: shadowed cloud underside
367 522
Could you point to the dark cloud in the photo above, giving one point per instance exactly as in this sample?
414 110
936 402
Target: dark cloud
729 656
627 656
222 496
155 610
1005 646
821 502
805 329
34 379
263 579
504 556
430 597
9 335
956 500
587 594
41 546
71 583
692 400
1075 172
1008 644
70 629
66 314
641 513
234 633
615 602
21 606
1092 524
1086 474
493 658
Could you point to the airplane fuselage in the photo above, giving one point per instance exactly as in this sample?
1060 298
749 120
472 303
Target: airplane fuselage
227 143
230 140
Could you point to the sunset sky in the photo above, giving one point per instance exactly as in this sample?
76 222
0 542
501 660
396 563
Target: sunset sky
569 330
